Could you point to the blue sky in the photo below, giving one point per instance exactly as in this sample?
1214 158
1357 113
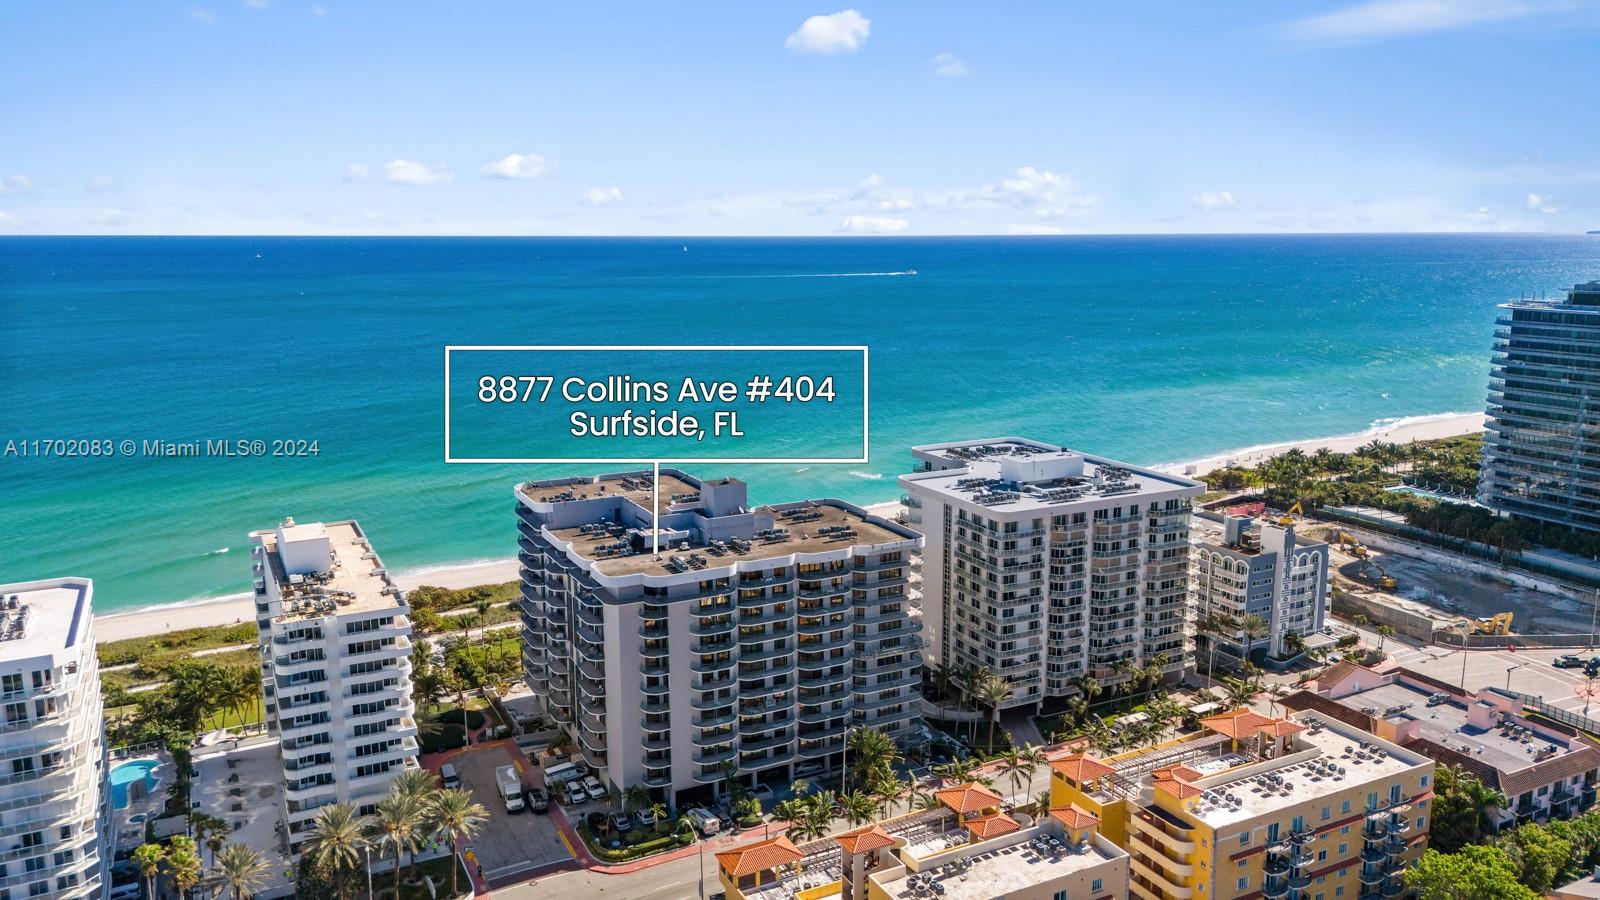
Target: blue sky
290 117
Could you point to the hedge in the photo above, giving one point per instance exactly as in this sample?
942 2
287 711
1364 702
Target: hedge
447 738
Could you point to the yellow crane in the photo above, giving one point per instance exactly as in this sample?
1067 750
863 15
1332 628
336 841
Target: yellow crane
1294 512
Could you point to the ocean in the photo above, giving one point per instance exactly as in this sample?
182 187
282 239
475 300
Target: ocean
1149 349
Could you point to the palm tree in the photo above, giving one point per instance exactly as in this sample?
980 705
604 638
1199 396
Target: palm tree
993 691
456 817
871 753
926 801
183 861
859 807
887 789
801 786
1090 688
1384 633
635 797
1215 625
418 784
1034 757
238 692
336 842
971 677
397 823
149 857
956 771
818 813
241 869
1014 766
1254 627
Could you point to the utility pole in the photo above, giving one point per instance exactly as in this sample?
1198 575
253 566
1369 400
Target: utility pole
1594 611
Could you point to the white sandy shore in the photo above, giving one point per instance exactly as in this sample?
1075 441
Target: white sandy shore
1401 431
241 608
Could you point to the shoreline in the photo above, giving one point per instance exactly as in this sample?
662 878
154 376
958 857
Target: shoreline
228 610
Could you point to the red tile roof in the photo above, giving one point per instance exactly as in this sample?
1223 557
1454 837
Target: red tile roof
865 839
1179 789
1239 723
1081 768
759 857
968 798
992 825
1074 817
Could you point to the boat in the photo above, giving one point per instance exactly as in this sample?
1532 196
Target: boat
911 271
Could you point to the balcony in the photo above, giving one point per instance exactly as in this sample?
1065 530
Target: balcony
713 702
1151 877
657 778
653 630
1149 850
716 717
715 755
711 627
818 749
1148 824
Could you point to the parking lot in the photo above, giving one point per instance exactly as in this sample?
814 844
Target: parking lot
507 843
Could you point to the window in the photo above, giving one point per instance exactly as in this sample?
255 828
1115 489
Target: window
1096 886
1346 807
1061 895
1322 856
1326 813
1424 781
1343 848
1244 883
1422 823
1244 838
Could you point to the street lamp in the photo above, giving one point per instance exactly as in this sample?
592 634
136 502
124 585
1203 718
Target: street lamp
366 850
1509 670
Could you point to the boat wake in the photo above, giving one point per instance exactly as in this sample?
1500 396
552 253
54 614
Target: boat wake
820 275
869 476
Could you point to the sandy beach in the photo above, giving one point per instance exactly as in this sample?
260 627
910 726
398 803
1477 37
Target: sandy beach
241 608
1402 431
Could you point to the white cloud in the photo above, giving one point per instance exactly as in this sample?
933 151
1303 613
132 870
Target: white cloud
895 205
842 32
355 172
109 217
874 225
203 16
12 184
1212 200
1034 229
1390 18
98 183
405 171
946 64
602 196
1542 204
519 165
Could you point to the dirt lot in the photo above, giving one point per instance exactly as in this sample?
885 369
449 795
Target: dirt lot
508 842
1455 592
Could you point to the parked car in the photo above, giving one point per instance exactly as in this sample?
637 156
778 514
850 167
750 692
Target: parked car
575 793
448 776
592 786
763 793
646 818
1568 661
622 822
538 800
705 820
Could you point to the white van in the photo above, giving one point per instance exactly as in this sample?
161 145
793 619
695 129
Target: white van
447 775
561 773
705 820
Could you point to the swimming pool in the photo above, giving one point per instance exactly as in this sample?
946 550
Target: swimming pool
133 780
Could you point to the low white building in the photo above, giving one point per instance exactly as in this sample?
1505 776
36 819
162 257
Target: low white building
54 791
1260 568
335 638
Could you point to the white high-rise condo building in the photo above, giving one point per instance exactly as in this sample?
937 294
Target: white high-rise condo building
754 639
335 638
1265 571
1045 565
1541 455
54 802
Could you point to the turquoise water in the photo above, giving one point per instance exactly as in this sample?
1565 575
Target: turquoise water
130 773
1153 349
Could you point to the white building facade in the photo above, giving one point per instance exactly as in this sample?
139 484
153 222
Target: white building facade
335 639
1045 565
1261 569
754 639
54 789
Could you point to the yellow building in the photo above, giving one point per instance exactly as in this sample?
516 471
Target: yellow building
1306 808
970 848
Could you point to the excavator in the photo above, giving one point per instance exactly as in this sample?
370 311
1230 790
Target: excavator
1382 579
1499 623
1350 545
1294 513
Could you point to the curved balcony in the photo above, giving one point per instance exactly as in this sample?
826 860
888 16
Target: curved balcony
1299 857
712 682
1301 838
820 716
653 666
863 702
656 629
591 670
715 755
655 705
749 726
656 652
1144 824
756 656
1399 826
1275 868
837 692
591 634
781 739
1274 889
712 719
657 689
766 616
722 664
1150 850
591 688
828 640
705 702
1373 856
777 757
1166 885
818 749
1375 831
590 615
657 778
593 723
712 645
1299 882
712 627
776 667
663 742
816 625
1371 875
1396 888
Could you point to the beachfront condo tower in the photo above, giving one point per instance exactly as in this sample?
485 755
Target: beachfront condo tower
1045 565
53 785
1259 568
335 639
713 640
1541 455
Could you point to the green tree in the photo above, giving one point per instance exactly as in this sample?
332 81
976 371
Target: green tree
455 817
1474 873
183 863
1461 805
398 824
336 843
1254 628
241 870
1538 855
991 692
149 857
1384 633
858 807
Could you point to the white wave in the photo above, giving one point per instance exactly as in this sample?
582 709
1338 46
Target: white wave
1376 429
870 476
802 469
177 604
219 551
